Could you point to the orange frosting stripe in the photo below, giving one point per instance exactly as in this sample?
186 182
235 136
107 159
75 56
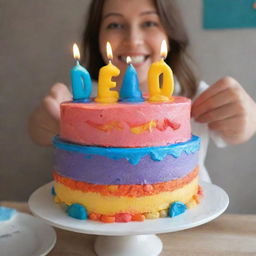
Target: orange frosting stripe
106 127
167 123
126 190
143 128
136 129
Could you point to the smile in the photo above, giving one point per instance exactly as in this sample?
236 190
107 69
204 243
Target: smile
134 59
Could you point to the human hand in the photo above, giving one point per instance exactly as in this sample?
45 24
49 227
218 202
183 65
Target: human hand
228 110
44 121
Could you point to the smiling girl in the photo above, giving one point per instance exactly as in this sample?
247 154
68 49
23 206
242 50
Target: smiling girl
136 29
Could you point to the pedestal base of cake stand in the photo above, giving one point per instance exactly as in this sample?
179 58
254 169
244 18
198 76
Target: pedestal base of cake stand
141 245
133 238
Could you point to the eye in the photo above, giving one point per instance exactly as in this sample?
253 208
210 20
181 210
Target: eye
149 24
114 25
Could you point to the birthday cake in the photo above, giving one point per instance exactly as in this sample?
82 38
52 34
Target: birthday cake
124 162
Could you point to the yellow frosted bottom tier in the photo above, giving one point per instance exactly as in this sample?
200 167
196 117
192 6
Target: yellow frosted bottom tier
111 205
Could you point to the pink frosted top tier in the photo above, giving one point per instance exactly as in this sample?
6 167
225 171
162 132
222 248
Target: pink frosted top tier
126 124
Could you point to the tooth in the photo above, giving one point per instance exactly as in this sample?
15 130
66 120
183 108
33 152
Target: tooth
137 59
134 59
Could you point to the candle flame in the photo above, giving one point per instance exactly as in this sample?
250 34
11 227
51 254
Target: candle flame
109 51
164 49
128 60
76 52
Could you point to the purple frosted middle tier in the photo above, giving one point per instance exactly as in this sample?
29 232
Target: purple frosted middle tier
102 170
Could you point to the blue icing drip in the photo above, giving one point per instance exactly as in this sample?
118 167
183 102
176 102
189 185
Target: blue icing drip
177 153
134 159
177 208
133 155
156 156
77 211
116 157
190 149
6 213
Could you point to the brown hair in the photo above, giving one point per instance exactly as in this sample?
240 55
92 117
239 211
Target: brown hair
178 58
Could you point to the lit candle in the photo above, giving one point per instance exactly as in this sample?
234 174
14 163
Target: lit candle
105 83
130 91
160 93
81 80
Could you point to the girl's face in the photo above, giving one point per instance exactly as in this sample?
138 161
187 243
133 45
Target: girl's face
133 29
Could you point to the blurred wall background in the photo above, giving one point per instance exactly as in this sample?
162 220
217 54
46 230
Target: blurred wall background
36 40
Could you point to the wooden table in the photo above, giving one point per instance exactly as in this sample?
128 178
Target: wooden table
229 234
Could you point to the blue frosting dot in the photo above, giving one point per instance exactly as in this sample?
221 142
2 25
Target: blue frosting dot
177 208
77 211
6 213
53 191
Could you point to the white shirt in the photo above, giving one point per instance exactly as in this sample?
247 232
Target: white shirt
198 129
202 130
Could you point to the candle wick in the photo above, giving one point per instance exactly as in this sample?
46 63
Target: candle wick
77 62
109 61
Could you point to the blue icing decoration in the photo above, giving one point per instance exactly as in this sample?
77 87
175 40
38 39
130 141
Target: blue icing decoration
53 191
77 211
177 208
133 155
156 156
178 152
134 159
6 213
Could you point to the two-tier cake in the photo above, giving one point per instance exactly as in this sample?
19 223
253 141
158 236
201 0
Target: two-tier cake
124 162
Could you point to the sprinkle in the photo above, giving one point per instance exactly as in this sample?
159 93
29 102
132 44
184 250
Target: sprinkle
148 188
196 198
138 217
77 211
107 219
94 216
163 213
123 217
177 208
152 215
200 190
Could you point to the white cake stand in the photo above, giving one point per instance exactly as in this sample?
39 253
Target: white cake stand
133 238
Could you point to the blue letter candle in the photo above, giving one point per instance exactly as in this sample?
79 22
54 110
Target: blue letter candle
130 91
81 80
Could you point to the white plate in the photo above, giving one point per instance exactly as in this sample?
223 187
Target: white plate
26 235
213 203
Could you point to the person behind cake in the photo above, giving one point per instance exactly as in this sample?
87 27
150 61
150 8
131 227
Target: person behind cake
223 111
